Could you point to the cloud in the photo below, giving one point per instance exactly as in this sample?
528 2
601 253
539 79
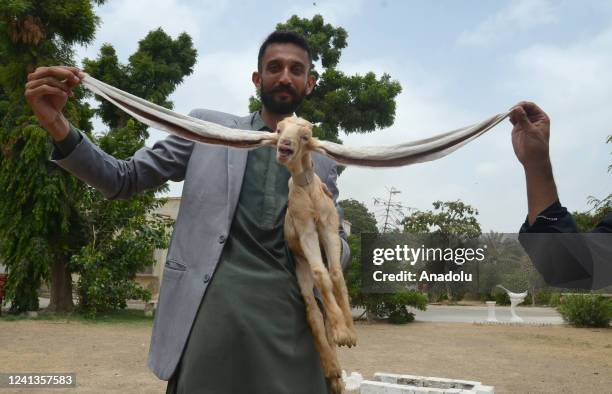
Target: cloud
570 80
333 12
124 22
468 174
220 81
518 17
573 84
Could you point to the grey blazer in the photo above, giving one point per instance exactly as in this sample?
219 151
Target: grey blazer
213 179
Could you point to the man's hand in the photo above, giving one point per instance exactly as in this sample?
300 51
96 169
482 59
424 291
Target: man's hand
47 91
530 137
530 134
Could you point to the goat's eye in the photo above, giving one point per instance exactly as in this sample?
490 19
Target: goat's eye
305 138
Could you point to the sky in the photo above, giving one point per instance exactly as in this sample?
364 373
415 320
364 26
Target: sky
458 62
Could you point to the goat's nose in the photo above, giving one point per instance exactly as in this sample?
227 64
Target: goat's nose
285 141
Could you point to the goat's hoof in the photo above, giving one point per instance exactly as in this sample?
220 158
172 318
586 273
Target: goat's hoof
337 385
352 338
343 337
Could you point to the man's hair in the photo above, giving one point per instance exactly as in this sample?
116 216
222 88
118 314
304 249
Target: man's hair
283 37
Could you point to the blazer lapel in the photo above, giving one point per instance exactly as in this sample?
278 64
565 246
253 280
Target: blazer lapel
236 165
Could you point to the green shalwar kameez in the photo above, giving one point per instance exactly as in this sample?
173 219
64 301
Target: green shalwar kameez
250 334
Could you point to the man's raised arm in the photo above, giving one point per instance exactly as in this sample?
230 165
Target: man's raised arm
47 91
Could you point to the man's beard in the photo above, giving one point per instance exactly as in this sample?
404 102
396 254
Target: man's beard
281 107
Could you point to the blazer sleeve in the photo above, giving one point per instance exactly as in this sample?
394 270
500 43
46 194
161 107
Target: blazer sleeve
120 179
564 257
331 183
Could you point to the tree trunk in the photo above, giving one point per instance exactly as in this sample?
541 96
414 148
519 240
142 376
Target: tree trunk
447 285
61 288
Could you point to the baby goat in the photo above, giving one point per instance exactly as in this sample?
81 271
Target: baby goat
311 221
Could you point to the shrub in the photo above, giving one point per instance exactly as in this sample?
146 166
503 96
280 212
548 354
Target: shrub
586 310
501 298
542 297
401 316
437 296
554 300
395 305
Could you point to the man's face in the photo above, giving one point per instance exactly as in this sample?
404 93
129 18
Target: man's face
284 79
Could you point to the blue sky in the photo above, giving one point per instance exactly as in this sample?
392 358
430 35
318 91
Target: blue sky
458 62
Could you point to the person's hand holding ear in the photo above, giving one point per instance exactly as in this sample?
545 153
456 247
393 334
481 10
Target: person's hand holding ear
530 137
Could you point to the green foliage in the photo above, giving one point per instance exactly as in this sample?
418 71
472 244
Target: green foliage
131 317
153 72
353 272
547 297
554 300
586 310
39 219
50 215
395 305
325 41
123 233
392 305
452 224
351 103
107 269
586 221
449 218
362 220
501 298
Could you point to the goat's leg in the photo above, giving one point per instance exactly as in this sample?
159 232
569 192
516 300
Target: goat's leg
338 383
332 246
326 349
311 249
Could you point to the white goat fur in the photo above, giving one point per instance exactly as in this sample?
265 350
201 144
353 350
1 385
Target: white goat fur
312 220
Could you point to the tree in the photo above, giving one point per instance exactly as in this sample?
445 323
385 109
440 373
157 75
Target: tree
353 104
122 234
391 305
50 215
39 218
361 219
585 221
453 223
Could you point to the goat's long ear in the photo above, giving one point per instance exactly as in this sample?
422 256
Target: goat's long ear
187 127
272 139
409 152
211 133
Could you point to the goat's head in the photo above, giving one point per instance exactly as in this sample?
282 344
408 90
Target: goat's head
294 140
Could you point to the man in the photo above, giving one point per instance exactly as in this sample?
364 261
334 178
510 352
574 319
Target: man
564 260
230 315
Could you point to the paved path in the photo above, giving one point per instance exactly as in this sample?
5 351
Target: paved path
450 313
471 314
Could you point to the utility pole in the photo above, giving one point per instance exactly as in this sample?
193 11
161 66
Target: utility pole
393 211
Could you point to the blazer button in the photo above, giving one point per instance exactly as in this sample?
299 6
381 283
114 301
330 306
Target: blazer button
221 239
206 278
